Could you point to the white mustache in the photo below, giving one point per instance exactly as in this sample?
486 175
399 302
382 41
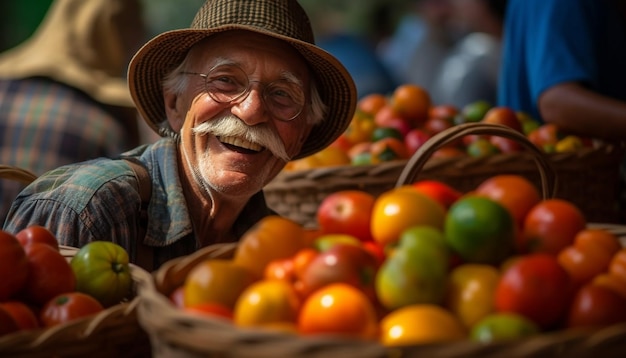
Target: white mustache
231 126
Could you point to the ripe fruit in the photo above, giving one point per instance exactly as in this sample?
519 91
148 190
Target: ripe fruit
267 302
412 102
480 230
13 265
341 310
535 286
23 315
273 237
420 324
49 274
347 212
211 309
216 280
516 193
400 208
550 226
470 293
595 306
37 233
68 307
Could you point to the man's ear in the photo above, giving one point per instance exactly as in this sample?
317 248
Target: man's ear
175 115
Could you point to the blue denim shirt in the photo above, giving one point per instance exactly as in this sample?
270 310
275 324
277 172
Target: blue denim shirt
99 200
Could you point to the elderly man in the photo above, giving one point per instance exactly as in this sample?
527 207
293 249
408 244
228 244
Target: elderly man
235 96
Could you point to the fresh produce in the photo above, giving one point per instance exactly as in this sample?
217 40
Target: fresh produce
439 266
40 287
410 117
102 270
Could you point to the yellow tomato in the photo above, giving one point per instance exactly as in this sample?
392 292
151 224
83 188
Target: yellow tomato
360 128
216 281
420 324
398 209
471 290
267 302
274 237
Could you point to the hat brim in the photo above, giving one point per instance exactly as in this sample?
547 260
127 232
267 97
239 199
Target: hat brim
167 50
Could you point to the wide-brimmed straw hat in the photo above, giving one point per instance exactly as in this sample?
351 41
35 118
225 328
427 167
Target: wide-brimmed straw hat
281 19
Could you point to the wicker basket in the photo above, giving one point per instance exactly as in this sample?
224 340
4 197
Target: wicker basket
588 177
114 332
174 333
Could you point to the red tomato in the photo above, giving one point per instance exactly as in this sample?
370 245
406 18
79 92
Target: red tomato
67 307
13 266
7 323
535 286
347 212
49 274
23 315
596 306
36 233
345 263
439 191
211 309
550 226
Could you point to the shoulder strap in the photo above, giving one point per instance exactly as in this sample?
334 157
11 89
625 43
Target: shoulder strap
144 253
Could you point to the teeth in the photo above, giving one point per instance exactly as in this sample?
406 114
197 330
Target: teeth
241 143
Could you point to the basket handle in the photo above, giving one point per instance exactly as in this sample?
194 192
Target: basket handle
15 173
421 156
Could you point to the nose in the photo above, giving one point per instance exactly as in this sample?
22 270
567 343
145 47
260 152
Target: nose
251 108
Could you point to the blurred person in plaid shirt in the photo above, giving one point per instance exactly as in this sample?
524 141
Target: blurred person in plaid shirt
63 92
235 97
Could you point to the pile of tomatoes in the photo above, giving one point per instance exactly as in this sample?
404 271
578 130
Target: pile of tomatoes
392 127
418 264
42 288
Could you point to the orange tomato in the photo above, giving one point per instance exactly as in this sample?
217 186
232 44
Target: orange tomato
420 324
398 209
388 149
617 267
590 255
360 128
339 309
516 193
371 103
273 237
550 226
216 281
412 102
267 302
612 282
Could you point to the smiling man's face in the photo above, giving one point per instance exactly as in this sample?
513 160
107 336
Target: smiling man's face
242 153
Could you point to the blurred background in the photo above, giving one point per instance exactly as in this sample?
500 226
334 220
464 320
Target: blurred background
383 43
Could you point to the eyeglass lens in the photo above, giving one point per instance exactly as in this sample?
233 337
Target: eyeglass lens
227 83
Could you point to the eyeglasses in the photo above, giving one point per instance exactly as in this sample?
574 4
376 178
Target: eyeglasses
229 84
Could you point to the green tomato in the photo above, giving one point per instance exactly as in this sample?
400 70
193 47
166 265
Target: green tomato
503 326
415 272
480 230
102 271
